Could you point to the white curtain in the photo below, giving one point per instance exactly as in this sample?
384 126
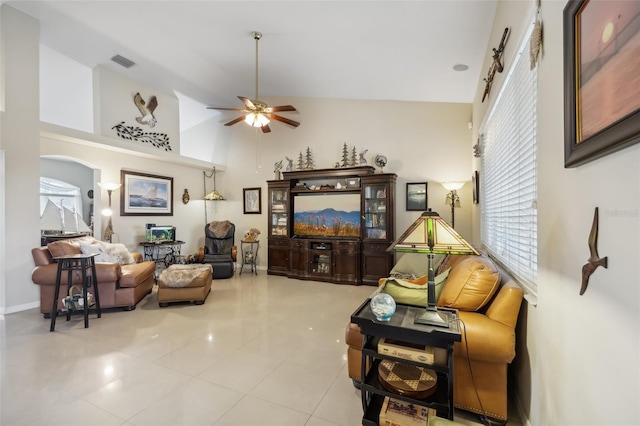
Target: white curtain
61 193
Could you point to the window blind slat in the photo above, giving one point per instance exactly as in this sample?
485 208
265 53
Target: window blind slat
509 186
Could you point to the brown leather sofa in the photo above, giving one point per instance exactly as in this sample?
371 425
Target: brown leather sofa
488 301
119 285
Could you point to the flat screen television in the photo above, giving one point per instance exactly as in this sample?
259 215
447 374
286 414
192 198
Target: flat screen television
327 215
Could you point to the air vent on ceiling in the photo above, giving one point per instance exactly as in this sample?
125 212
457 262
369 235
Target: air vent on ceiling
121 60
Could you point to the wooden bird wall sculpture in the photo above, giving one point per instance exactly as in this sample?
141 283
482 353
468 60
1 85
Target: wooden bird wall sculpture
594 260
146 109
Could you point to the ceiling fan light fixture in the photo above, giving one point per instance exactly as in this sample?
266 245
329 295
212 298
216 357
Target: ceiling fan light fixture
256 119
256 112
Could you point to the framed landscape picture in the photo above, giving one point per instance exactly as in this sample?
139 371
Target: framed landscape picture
417 196
601 79
475 180
145 194
252 200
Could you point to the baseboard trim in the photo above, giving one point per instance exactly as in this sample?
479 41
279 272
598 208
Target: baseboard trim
18 308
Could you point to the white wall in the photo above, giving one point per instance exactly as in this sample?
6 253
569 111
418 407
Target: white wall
20 141
130 230
577 356
66 91
202 141
424 142
113 102
395 136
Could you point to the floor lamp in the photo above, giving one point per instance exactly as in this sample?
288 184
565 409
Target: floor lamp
453 199
430 234
108 231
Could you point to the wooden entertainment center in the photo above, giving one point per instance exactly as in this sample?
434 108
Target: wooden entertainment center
332 225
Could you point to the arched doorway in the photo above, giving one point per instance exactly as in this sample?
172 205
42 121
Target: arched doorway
83 175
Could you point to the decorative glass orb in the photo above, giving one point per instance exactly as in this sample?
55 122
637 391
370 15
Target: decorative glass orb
383 306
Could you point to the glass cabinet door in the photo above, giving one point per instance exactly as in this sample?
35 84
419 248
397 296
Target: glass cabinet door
375 212
321 263
279 212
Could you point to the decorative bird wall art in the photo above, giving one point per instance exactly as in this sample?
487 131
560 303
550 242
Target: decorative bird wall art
594 260
146 109
496 64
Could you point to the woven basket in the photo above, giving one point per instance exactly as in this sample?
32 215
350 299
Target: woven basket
74 301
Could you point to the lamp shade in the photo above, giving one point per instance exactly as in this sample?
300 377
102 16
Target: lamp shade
213 196
452 186
109 186
256 119
431 234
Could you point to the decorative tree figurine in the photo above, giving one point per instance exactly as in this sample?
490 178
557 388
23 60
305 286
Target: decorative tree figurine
309 160
300 165
345 156
352 160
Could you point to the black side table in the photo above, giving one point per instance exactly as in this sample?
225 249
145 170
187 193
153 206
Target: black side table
401 327
71 263
249 254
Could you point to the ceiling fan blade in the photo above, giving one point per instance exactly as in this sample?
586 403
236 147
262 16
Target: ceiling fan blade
225 109
280 108
237 120
247 102
266 128
283 120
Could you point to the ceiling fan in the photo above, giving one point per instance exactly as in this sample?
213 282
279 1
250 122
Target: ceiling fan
257 112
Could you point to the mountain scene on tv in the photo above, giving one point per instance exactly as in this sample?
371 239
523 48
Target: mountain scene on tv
327 222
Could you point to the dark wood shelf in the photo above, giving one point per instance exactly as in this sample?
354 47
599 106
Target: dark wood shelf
320 191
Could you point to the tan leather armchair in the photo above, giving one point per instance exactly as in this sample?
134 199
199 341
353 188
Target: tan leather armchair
488 336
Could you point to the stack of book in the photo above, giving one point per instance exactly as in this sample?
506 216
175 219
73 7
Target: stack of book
400 413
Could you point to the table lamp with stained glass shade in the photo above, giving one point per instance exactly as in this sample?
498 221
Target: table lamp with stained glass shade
430 234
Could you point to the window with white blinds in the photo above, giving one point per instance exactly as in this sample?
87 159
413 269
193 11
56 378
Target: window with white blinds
508 194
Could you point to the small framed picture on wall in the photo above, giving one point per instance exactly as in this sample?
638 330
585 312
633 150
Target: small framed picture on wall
417 196
475 180
252 200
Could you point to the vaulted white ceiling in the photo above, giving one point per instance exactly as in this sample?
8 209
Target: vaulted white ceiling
375 50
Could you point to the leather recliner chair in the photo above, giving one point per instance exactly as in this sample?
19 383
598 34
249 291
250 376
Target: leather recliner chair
219 248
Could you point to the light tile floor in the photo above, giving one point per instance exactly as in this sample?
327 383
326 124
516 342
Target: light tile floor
262 350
